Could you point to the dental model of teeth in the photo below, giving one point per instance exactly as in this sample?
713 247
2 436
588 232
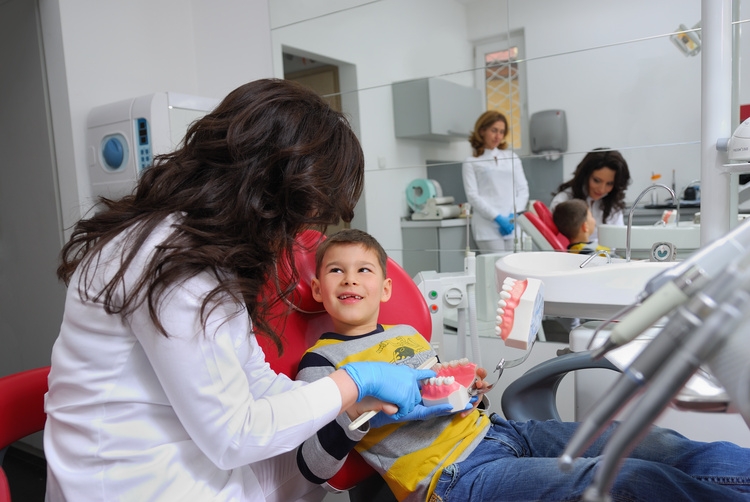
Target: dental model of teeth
519 311
451 385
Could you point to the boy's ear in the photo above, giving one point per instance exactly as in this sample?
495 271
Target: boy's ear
387 290
315 286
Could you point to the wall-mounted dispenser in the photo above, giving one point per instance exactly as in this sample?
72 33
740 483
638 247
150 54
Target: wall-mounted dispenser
548 133
123 137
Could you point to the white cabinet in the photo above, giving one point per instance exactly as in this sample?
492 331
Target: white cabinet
435 109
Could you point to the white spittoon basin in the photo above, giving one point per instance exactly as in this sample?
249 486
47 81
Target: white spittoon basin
597 291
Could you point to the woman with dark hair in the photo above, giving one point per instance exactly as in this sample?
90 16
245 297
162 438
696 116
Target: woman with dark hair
158 388
495 184
600 179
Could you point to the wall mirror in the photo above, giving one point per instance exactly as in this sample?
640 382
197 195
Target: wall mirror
613 67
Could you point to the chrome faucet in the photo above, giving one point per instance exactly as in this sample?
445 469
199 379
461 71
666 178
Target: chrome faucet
630 214
601 252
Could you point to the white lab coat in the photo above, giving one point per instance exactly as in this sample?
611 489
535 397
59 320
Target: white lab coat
134 416
492 182
615 217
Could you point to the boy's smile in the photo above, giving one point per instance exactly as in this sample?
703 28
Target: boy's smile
351 286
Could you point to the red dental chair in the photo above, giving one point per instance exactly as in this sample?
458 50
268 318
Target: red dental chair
21 412
307 320
542 229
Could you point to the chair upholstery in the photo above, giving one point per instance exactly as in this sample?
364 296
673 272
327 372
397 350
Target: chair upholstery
544 237
302 325
545 215
21 412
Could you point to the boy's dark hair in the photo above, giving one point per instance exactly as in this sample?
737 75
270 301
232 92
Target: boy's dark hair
569 216
351 236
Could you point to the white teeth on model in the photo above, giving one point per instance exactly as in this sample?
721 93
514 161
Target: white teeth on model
502 304
507 287
449 380
509 280
500 311
464 361
453 363
504 295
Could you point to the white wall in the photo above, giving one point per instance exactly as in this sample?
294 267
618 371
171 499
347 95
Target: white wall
400 40
102 52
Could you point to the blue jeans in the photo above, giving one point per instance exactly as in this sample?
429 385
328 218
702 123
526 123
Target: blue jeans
517 461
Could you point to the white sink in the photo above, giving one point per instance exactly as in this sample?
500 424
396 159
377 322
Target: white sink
686 238
597 291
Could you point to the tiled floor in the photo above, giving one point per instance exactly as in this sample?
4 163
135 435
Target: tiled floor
27 475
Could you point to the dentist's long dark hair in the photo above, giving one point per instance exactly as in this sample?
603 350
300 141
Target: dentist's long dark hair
271 160
594 160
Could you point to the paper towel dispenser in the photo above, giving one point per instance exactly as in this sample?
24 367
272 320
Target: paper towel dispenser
548 132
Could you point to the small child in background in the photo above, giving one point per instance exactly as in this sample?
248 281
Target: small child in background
574 220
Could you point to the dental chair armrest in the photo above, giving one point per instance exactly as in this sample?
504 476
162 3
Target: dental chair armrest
533 396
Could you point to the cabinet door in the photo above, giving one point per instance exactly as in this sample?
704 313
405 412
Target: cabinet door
420 250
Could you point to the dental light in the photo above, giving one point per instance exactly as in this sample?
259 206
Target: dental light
687 40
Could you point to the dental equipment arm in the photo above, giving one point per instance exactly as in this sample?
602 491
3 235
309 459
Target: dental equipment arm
674 286
675 373
684 321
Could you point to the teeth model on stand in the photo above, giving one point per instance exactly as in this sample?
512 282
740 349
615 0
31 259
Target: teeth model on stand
520 311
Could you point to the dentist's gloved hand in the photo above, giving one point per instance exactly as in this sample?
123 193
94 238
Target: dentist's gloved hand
505 223
391 383
420 412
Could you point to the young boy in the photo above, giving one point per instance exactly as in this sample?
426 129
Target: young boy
470 456
574 220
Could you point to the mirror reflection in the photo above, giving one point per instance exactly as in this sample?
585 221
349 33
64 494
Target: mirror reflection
620 72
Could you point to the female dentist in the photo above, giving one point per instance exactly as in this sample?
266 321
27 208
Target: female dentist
158 389
600 179
495 184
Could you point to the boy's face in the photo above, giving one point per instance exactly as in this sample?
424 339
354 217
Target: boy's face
351 286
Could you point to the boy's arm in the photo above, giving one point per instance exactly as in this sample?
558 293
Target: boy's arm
322 455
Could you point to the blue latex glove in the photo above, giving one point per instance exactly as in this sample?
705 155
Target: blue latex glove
420 412
505 223
391 383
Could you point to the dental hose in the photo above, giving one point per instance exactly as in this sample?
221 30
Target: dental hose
686 319
698 345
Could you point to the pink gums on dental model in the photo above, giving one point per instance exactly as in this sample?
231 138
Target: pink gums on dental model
451 384
510 297
519 311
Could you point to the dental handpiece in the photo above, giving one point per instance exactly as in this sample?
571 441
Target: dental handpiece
685 319
671 295
668 381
